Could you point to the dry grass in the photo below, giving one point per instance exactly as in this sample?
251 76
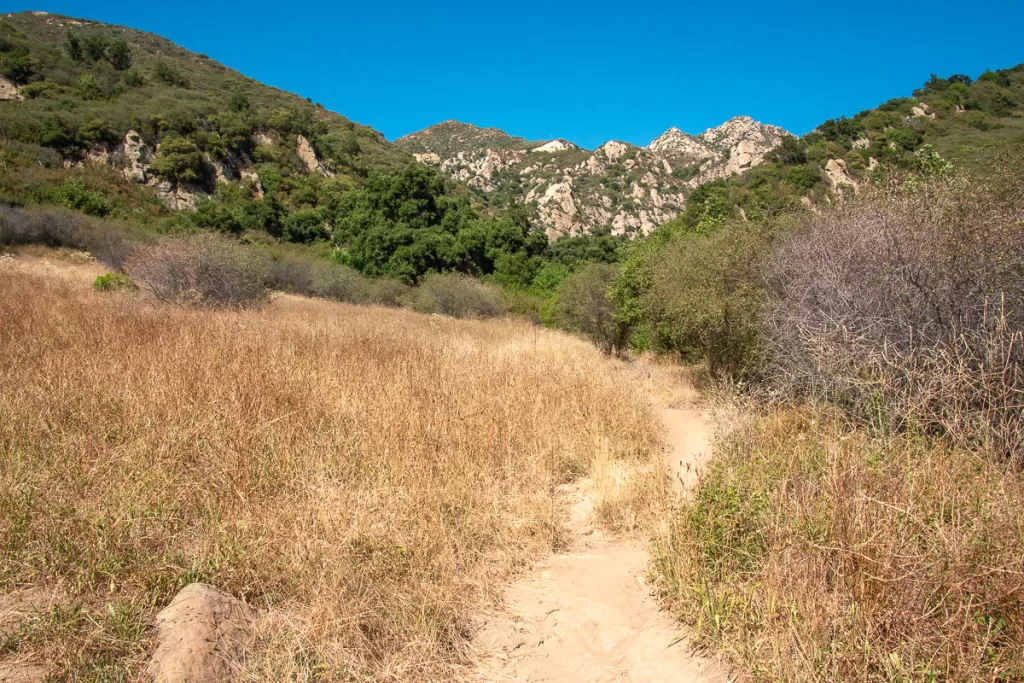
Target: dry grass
369 477
814 553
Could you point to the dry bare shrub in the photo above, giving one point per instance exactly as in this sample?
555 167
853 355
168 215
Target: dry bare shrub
906 305
457 296
203 270
110 243
368 477
813 553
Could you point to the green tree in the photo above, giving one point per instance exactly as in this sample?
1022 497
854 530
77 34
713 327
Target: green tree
16 66
73 46
119 55
95 47
179 161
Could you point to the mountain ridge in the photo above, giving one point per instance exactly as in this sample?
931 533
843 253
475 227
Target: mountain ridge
619 187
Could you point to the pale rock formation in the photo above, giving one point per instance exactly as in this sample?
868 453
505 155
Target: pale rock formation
921 111
201 636
676 143
838 175
8 91
432 158
555 146
133 155
263 139
181 197
309 158
614 150
861 143
636 188
252 179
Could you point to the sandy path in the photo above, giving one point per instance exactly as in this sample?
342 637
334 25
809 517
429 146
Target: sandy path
587 614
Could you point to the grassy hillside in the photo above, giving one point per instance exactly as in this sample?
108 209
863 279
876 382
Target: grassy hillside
965 121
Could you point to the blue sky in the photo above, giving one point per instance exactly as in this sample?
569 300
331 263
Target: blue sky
587 72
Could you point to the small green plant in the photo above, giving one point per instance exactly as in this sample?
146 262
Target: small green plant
111 282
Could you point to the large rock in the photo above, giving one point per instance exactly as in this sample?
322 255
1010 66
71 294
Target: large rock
8 91
838 175
133 155
201 637
618 186
309 158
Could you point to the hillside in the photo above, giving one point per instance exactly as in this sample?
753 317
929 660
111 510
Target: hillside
79 98
618 188
969 123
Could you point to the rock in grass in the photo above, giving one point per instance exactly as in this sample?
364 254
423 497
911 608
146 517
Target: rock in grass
201 636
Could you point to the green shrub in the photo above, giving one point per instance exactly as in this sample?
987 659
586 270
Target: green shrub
584 305
76 196
112 282
700 296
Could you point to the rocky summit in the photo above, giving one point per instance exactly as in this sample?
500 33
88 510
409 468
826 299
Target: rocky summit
571 191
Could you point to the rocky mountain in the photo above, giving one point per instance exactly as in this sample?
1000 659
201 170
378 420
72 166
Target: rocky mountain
569 190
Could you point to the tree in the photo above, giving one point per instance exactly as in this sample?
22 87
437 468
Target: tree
95 47
16 66
73 46
179 161
119 55
239 102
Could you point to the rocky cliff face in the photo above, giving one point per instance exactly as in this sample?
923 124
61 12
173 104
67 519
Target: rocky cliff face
627 189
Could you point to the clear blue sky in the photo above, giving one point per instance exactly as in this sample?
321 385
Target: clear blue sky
585 71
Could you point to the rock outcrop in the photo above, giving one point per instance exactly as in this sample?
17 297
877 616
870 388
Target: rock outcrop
838 175
8 91
619 187
132 155
201 636
309 158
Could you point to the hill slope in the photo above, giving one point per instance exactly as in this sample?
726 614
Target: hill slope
618 187
76 93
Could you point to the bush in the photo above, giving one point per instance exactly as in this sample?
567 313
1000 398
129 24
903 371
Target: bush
906 306
332 281
113 282
109 244
390 293
204 270
700 296
583 304
457 296
74 195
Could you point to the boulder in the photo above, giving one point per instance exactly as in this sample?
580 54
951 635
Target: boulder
201 636
8 91
838 175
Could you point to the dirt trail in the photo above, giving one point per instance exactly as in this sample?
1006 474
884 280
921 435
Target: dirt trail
588 614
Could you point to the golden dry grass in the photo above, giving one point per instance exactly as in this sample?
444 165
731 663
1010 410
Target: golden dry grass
813 552
368 477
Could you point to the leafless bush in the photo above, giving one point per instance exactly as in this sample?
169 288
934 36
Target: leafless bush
49 227
205 270
109 243
457 296
906 306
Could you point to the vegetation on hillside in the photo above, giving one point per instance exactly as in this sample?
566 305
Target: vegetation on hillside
961 119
